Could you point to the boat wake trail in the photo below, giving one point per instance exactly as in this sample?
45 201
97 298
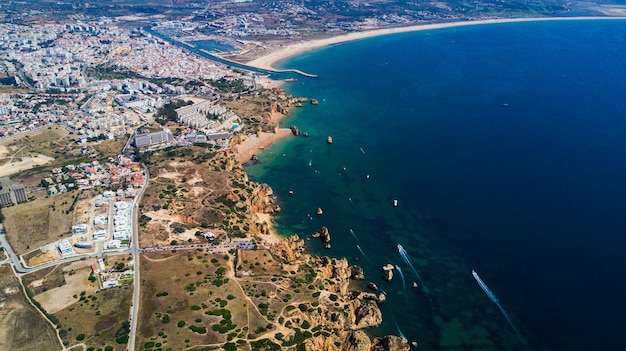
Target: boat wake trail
407 260
310 162
363 151
354 235
494 299
398 327
363 253
401 276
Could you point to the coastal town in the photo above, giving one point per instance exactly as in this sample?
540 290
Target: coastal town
127 220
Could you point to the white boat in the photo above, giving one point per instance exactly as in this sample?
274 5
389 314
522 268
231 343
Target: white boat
395 202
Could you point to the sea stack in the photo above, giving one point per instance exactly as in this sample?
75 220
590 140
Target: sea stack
329 139
319 211
388 272
325 234
294 130
314 102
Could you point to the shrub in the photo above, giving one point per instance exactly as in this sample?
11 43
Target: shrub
80 337
198 329
181 324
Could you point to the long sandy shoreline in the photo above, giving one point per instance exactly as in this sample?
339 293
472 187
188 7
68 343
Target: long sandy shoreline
267 61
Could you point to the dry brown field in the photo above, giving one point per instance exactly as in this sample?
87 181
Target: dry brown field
257 262
110 148
87 315
97 319
45 141
22 328
75 280
181 197
192 299
36 223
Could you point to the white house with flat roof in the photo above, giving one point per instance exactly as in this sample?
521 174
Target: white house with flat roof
100 235
65 247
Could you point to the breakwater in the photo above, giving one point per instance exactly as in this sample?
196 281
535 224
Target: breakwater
278 74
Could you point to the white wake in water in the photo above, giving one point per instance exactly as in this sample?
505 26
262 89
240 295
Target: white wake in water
494 299
354 235
407 260
401 276
363 253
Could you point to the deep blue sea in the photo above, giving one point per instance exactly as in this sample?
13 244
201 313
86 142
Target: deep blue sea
505 146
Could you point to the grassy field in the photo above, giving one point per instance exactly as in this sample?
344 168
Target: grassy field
36 223
22 328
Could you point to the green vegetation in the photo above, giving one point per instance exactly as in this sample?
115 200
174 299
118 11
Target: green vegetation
198 329
168 113
228 86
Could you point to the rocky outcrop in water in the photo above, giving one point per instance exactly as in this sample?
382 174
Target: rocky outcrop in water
365 315
290 249
325 234
369 296
388 272
294 130
391 343
357 341
356 273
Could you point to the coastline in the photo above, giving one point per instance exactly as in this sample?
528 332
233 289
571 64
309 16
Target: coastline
255 144
267 62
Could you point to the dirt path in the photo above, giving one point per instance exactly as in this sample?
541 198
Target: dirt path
158 259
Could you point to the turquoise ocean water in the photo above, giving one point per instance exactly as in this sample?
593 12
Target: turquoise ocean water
505 146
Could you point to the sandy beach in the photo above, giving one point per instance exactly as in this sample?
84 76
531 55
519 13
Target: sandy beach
267 61
254 144
273 237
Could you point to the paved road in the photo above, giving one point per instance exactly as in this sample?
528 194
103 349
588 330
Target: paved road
135 252
20 268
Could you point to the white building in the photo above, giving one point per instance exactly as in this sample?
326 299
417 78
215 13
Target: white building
65 247
114 244
99 235
80 229
100 220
